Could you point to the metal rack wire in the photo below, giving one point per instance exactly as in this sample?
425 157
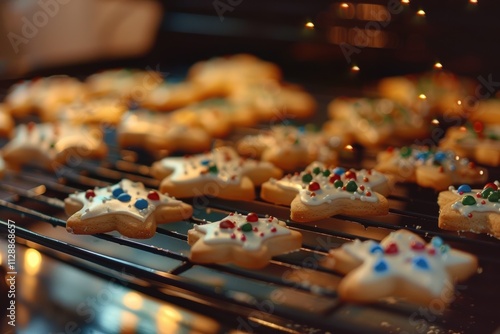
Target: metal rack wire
293 294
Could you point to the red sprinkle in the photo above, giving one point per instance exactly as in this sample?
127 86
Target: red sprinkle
252 217
243 238
369 171
469 215
343 188
460 192
255 229
226 223
313 186
270 219
472 165
362 187
483 202
261 234
273 229
431 251
368 194
478 195
417 246
89 193
491 185
441 169
334 178
390 149
153 195
392 248
312 194
365 179
233 236
350 175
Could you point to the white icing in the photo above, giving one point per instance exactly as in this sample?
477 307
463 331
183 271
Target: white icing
327 191
230 166
104 203
263 229
482 204
51 139
401 265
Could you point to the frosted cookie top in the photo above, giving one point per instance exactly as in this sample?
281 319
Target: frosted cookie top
405 255
248 231
477 200
318 184
222 164
126 198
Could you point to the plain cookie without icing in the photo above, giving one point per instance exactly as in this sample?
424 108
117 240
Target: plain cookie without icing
245 240
402 265
127 207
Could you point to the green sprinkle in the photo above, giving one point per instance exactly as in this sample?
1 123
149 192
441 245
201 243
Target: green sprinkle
246 227
326 172
405 151
306 178
351 186
316 170
338 184
468 200
494 196
213 169
486 192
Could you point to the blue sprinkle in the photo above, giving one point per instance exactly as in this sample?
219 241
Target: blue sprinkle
465 188
422 155
381 266
301 129
452 167
445 248
437 242
339 170
124 197
117 192
439 156
376 249
421 263
205 162
141 204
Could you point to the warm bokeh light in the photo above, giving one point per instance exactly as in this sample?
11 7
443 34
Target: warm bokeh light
355 68
309 25
438 66
422 96
133 300
344 5
349 147
32 261
435 122
459 102
473 1
405 1
421 12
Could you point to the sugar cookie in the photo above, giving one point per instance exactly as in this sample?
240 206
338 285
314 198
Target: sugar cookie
245 240
127 207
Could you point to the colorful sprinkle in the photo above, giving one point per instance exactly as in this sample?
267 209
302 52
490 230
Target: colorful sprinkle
350 175
376 249
494 197
468 200
306 178
464 188
213 169
338 184
153 195
252 217
117 192
405 151
326 173
417 246
437 242
351 186
486 192
141 203
491 185
316 170
89 194
313 186
381 266
247 227
339 170
227 224
334 178
124 197
421 263
391 249
439 156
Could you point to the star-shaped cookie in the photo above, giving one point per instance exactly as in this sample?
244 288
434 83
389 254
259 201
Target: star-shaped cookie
427 167
289 148
127 207
284 190
219 173
245 240
402 265
50 145
465 209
